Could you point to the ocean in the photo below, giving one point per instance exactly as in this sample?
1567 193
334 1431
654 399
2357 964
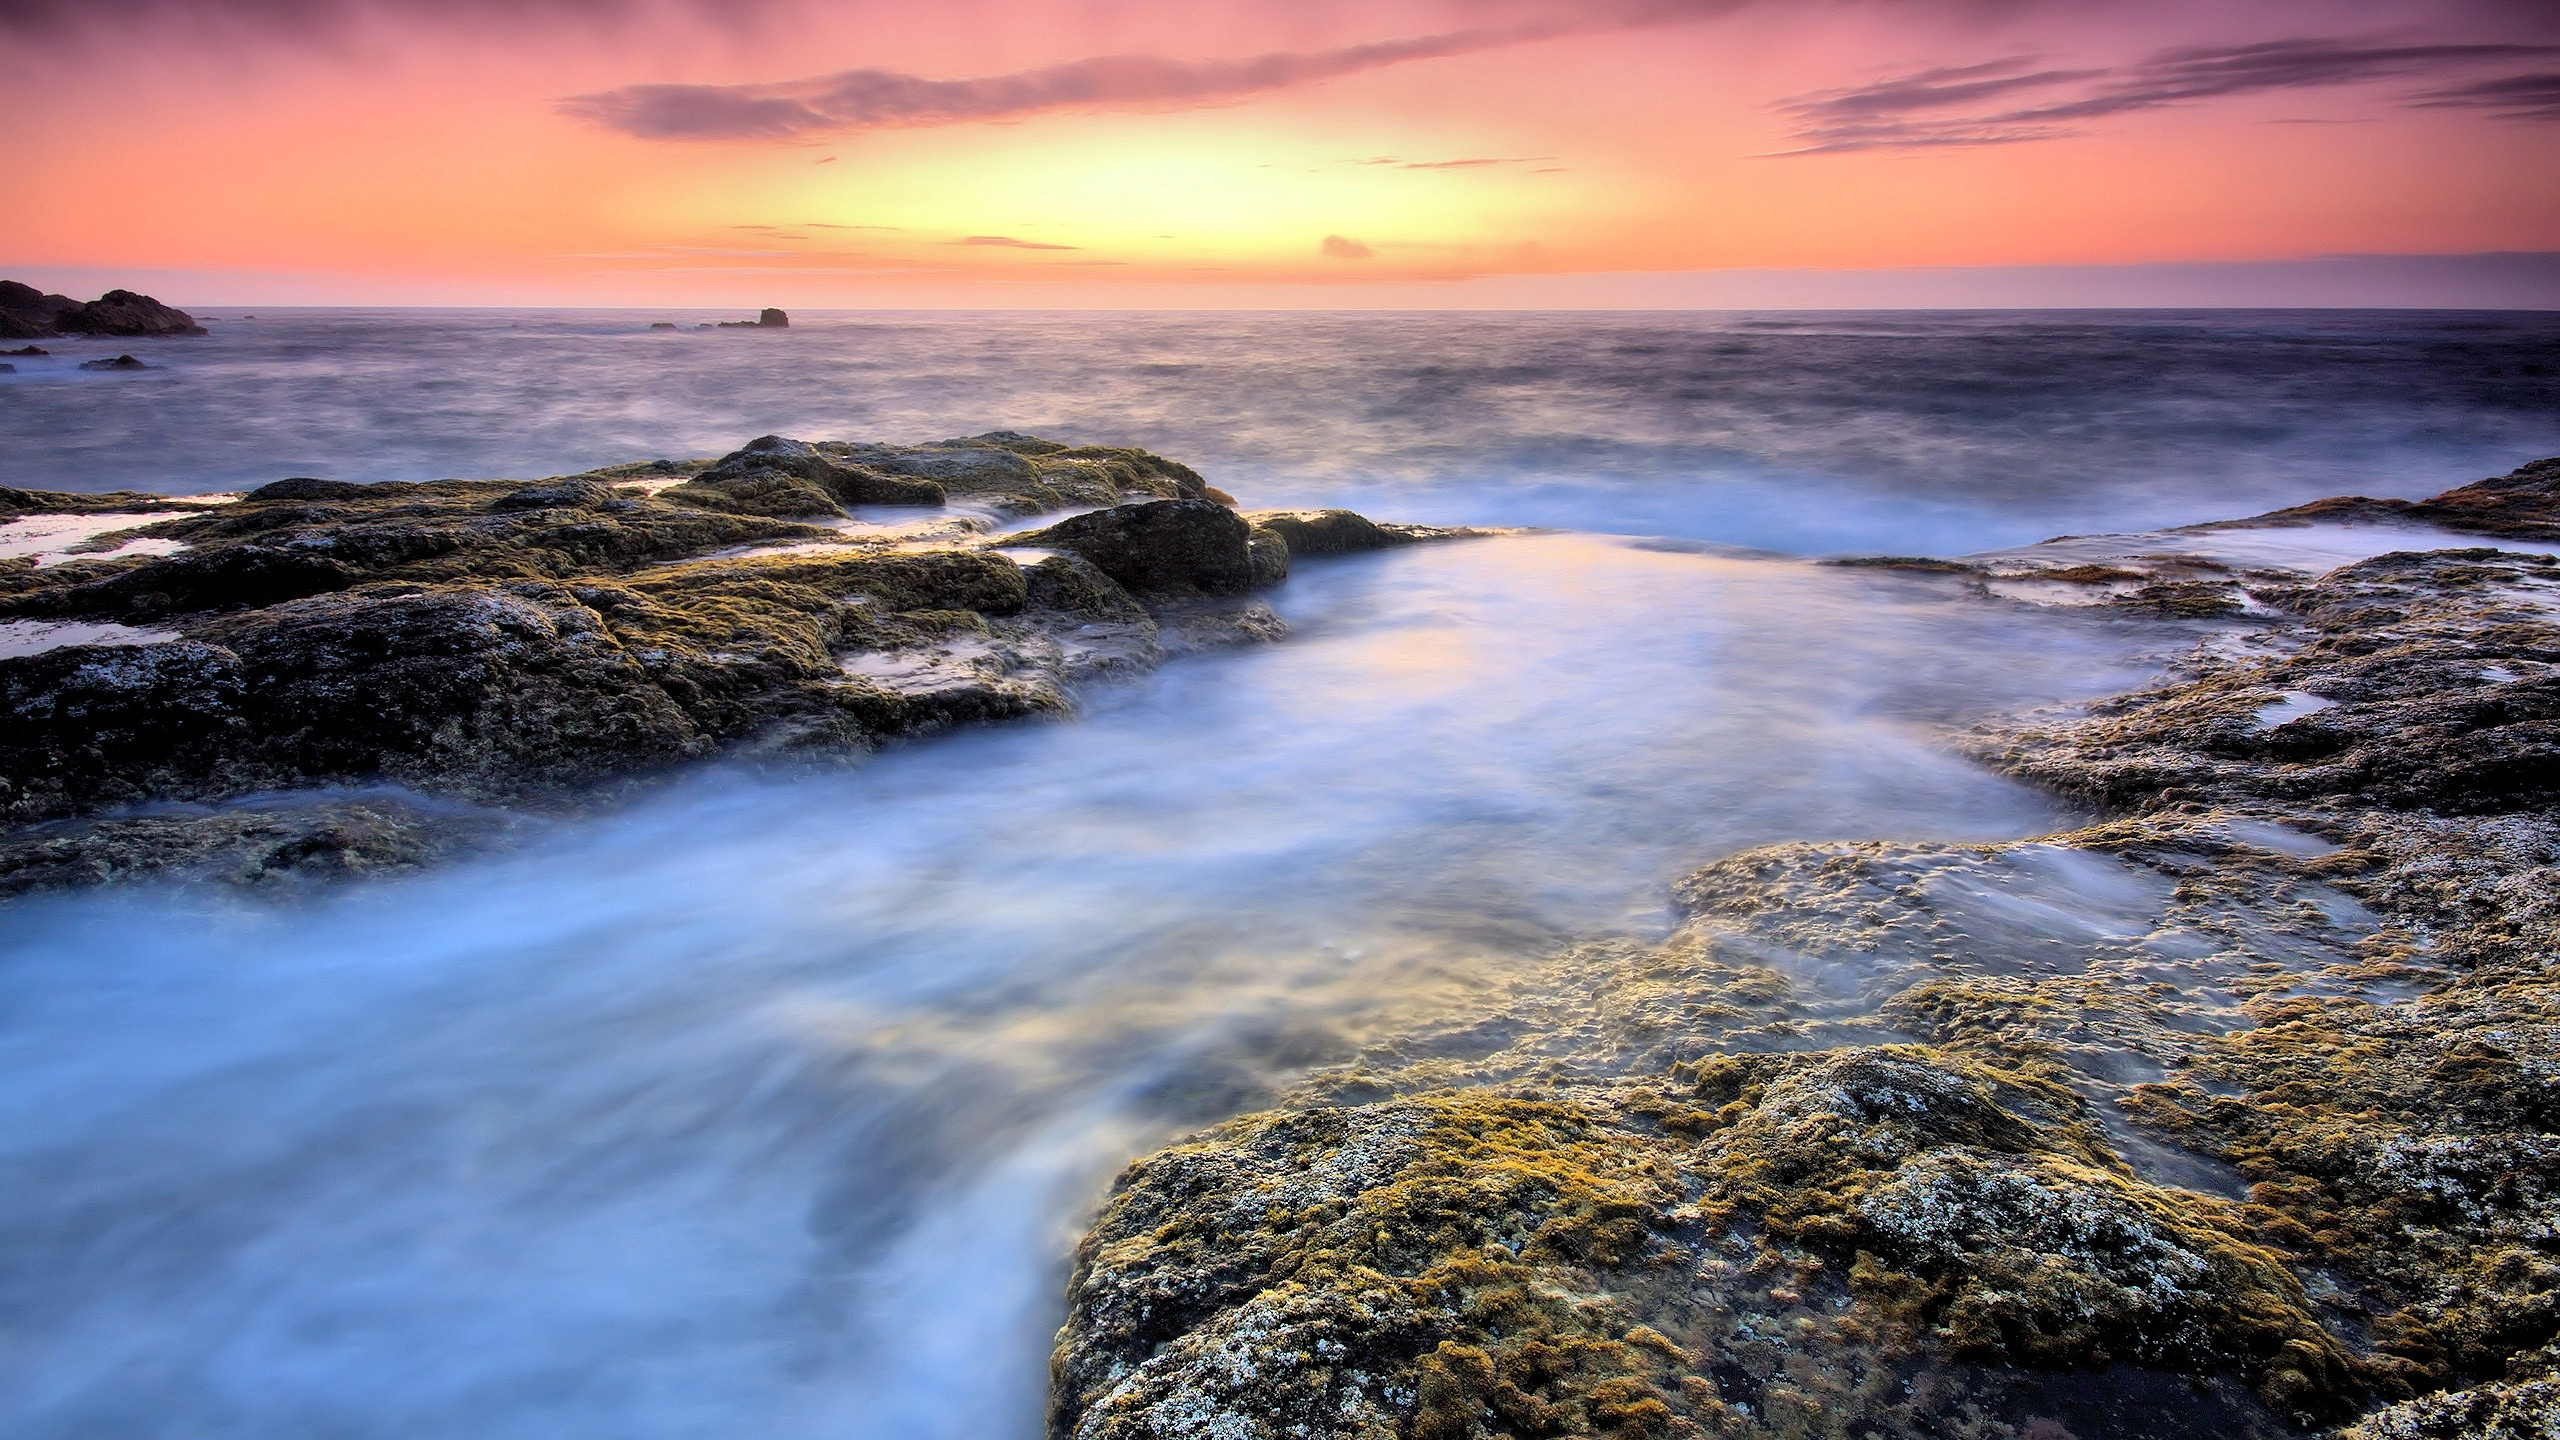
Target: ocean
771 1100
1798 432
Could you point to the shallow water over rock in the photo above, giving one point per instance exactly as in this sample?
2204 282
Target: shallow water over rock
770 1102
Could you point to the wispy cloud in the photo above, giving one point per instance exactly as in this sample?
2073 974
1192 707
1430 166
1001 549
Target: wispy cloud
46 23
2008 101
1343 247
1473 162
875 99
1007 242
2514 97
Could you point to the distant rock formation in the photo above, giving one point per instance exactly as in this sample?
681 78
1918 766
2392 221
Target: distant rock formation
27 313
121 362
769 320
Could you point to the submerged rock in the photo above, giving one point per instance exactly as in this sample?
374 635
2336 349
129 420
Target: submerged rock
120 362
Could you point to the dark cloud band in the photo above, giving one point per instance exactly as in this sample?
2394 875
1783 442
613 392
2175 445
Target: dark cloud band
47 22
2004 102
874 99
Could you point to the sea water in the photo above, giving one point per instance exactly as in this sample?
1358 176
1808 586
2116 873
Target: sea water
770 1102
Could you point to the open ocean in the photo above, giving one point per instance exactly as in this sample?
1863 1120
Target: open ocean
1800 432
770 1103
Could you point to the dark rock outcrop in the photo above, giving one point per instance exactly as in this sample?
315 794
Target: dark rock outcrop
768 320
120 362
1163 546
2523 504
122 312
772 475
508 641
27 313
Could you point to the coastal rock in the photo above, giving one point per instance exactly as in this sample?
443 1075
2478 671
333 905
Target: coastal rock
767 320
120 362
1161 546
27 313
531 642
2230 1113
1309 533
2523 504
772 475
122 312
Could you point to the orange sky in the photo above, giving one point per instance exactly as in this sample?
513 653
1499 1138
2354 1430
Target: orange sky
335 150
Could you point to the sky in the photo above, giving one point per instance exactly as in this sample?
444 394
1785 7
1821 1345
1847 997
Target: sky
1516 153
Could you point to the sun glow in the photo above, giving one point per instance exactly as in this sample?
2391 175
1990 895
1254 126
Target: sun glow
455 166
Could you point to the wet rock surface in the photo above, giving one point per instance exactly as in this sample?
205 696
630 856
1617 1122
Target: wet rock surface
2231 1112
533 642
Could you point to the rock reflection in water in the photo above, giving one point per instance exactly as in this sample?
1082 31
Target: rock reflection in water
771 1103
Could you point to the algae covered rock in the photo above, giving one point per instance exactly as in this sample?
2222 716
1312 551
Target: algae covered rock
527 642
1178 546
1860 1243
2234 1112
772 475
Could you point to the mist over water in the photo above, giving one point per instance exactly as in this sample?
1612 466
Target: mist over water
1804 432
770 1102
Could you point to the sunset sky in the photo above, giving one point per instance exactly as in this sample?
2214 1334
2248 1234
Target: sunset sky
1170 152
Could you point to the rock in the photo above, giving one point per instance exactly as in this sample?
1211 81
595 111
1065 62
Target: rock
122 312
769 320
772 475
27 350
1161 546
121 362
263 846
2130 1181
501 639
663 325
1266 556
571 494
15 502
1310 533
305 487
2523 504
27 313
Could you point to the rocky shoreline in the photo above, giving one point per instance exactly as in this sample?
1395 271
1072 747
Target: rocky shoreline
2230 1113
192 685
